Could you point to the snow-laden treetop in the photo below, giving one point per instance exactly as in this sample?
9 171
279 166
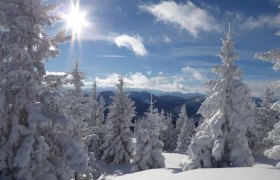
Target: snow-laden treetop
228 69
227 53
77 77
121 83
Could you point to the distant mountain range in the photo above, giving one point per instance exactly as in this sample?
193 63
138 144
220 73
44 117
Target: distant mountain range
169 102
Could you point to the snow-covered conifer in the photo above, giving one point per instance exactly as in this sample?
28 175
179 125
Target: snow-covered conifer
168 136
53 82
94 106
32 145
118 147
76 106
273 56
266 118
77 77
149 147
100 118
182 118
99 130
185 131
228 112
273 153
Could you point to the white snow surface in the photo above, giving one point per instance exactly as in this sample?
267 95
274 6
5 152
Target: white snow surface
263 169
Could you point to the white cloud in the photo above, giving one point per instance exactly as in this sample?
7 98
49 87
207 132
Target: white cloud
166 39
55 73
149 72
140 81
192 73
189 80
258 86
134 43
109 81
187 16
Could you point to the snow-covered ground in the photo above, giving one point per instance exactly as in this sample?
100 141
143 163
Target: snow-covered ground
263 169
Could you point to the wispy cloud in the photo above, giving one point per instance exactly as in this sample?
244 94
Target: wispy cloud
244 22
111 56
187 16
134 43
261 21
277 2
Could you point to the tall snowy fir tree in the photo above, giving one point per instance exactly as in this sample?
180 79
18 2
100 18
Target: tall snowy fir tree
32 145
78 108
228 112
273 56
185 127
148 152
75 105
118 147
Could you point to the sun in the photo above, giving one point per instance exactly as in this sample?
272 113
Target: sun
76 20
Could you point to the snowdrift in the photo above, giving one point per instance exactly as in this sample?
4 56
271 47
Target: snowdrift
263 170
255 173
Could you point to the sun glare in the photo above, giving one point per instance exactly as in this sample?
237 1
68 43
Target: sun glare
76 20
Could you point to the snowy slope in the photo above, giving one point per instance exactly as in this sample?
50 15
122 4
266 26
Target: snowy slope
263 169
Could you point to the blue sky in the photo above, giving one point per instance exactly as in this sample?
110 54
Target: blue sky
169 45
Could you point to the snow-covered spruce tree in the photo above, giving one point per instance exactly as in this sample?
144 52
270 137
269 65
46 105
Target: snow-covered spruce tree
99 130
100 117
94 105
182 118
273 56
228 111
266 118
168 136
118 147
53 82
77 77
185 131
274 152
76 106
31 144
148 152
